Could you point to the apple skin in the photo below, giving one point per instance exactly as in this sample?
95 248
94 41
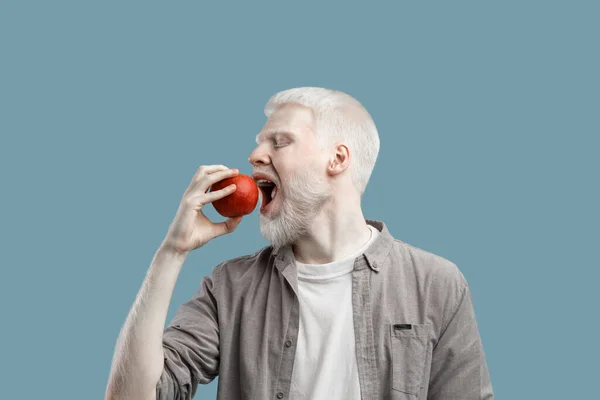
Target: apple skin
241 202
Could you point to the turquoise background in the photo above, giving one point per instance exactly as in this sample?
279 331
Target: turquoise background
488 119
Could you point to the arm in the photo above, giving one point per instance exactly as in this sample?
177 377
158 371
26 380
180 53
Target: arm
459 369
191 345
138 360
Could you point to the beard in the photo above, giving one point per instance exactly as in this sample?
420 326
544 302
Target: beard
302 199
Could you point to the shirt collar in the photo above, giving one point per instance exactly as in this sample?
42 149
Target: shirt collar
375 254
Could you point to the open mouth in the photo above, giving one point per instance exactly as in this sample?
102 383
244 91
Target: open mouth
269 191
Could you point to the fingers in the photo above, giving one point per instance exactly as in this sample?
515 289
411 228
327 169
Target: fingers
217 176
207 170
206 176
209 197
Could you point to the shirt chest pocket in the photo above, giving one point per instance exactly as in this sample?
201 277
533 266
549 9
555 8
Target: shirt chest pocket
410 344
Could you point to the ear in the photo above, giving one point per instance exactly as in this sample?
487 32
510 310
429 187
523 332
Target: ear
340 160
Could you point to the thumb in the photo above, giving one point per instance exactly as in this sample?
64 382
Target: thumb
228 226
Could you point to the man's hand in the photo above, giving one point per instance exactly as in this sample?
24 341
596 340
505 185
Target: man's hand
190 228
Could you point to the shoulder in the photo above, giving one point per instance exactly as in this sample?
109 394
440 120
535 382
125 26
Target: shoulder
237 268
434 284
427 262
437 274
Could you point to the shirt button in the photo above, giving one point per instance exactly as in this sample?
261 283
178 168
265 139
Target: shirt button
280 395
288 344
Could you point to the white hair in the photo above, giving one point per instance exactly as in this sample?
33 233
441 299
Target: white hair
338 117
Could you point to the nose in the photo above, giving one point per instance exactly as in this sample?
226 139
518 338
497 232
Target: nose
259 157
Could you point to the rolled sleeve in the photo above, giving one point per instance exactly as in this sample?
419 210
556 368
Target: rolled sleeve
459 369
191 345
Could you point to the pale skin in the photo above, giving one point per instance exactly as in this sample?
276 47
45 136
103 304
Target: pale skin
138 360
336 231
339 228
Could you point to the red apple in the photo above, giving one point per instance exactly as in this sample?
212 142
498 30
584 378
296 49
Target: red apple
242 201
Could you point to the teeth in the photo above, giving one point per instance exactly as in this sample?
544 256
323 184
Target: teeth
264 182
273 193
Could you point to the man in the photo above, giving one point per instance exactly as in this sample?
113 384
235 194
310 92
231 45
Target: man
334 308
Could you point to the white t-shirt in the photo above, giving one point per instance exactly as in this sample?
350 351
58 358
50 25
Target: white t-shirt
325 363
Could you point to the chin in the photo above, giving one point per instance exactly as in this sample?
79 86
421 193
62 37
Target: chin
287 225
277 230
299 204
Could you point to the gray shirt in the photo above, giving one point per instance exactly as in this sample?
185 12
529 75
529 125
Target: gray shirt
415 330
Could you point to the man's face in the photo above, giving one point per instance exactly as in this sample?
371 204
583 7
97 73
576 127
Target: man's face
288 154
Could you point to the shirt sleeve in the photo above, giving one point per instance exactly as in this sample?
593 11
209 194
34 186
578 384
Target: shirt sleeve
458 368
191 345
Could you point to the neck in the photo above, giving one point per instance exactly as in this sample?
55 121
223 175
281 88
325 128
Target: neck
337 231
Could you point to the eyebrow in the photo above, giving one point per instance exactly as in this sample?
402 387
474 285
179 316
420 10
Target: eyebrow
269 133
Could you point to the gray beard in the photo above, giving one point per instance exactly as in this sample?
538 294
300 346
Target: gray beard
304 196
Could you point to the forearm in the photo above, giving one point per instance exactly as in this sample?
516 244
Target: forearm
138 360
